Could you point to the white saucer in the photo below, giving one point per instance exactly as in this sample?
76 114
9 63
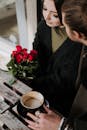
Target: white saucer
6 48
4 59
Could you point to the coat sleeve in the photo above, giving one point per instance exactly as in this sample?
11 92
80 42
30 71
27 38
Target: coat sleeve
79 123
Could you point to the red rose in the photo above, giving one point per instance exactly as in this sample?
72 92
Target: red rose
24 50
25 56
30 57
33 53
19 48
19 58
14 53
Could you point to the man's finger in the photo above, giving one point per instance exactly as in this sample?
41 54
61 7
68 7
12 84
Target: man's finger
47 109
32 125
32 116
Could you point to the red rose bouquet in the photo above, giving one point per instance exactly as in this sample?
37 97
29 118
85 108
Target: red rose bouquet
22 63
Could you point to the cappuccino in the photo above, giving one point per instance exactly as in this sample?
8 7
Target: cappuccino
32 103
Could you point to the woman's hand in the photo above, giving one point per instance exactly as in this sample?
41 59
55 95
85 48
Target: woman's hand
44 121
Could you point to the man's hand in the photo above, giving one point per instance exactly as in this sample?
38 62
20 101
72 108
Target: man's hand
44 121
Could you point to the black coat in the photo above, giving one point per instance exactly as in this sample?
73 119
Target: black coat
56 81
84 68
78 121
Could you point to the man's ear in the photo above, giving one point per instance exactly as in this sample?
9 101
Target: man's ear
76 34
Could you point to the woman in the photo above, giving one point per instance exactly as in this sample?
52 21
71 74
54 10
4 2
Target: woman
51 120
56 80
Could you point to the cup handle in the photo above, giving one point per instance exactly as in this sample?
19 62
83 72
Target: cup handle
46 103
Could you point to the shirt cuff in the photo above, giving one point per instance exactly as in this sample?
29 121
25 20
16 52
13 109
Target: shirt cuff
61 122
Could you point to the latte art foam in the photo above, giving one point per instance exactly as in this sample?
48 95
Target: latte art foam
32 103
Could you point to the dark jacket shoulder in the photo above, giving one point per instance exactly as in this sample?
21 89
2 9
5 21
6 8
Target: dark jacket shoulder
43 31
84 68
42 43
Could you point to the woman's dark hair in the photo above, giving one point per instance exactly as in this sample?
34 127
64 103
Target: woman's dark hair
76 15
58 4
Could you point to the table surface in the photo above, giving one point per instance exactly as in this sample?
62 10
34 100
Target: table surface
10 94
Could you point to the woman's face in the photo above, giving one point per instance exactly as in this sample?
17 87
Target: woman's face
50 13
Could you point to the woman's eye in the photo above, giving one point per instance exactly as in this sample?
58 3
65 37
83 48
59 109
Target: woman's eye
44 9
56 16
